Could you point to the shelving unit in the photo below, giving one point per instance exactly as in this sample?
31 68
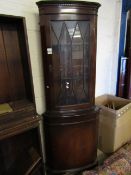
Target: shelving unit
21 154
20 145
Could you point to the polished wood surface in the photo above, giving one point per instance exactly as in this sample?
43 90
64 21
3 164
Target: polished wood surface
68 36
15 71
50 86
20 154
71 143
4 92
20 146
15 74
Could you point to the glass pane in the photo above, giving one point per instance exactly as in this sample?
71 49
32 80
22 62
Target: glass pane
86 58
71 27
53 68
67 95
56 26
78 65
83 27
70 60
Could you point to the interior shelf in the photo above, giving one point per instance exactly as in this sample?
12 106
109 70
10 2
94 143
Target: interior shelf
25 162
21 154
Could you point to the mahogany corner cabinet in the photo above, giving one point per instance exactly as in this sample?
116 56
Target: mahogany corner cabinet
68 36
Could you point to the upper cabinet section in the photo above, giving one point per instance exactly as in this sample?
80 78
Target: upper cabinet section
68 31
16 88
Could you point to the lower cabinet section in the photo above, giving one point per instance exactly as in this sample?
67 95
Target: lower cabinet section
21 154
71 141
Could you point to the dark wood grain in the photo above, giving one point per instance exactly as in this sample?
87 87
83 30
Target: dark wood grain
71 119
13 54
4 74
55 7
19 129
15 72
71 143
18 157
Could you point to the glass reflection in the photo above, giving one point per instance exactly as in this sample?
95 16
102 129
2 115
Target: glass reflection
73 55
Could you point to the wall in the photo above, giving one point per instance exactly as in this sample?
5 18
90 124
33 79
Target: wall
107 46
107 50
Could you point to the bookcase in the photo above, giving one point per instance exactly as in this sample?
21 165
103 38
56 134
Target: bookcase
20 143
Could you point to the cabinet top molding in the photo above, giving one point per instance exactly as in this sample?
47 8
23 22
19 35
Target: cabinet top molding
67 2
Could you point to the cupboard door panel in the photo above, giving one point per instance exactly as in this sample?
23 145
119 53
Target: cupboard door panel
70 55
68 61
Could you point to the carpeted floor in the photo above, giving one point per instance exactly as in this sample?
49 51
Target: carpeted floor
118 163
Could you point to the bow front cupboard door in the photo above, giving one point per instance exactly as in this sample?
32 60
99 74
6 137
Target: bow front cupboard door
68 35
